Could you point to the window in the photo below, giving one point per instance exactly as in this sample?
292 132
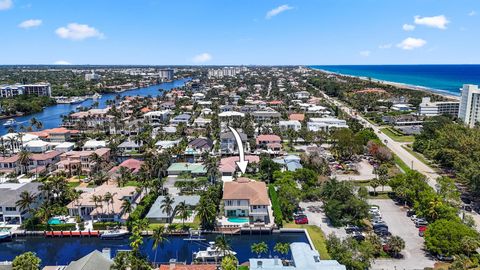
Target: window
10 209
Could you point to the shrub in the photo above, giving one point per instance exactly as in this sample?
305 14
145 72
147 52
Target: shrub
105 225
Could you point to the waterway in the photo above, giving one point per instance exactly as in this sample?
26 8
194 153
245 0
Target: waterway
60 251
51 117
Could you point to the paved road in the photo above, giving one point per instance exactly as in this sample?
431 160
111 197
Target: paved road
395 147
399 224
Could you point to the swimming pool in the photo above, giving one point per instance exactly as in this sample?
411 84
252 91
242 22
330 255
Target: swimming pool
55 221
238 219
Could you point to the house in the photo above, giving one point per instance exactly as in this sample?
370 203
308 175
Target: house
9 165
325 124
201 122
264 140
37 146
10 213
231 114
167 105
303 257
129 147
289 163
296 117
181 118
91 119
156 118
195 169
43 162
290 124
132 165
94 260
92 145
56 135
228 165
64 147
302 95
199 146
157 214
401 107
228 144
87 209
198 96
73 161
267 115
167 144
13 142
247 198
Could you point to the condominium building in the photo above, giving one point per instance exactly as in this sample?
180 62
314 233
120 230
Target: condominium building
40 89
226 71
166 74
469 105
429 108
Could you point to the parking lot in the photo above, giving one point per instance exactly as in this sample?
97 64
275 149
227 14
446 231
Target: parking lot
399 224
319 219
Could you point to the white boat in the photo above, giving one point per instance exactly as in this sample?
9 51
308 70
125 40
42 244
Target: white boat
10 123
195 235
96 96
212 253
114 233
5 235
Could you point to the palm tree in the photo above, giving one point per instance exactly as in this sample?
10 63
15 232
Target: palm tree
183 211
158 238
282 248
107 197
26 199
222 245
24 159
167 206
396 244
259 248
35 123
44 212
124 177
126 206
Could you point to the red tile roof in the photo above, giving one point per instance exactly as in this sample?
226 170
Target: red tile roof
268 138
246 189
297 116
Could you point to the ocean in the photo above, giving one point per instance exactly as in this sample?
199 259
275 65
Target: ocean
442 78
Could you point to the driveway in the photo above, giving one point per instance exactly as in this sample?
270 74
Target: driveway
401 225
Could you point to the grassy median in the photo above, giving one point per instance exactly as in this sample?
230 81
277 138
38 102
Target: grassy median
317 236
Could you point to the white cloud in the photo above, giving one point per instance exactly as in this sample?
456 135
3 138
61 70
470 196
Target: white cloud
75 31
274 12
6 4
30 23
62 62
472 13
411 43
439 21
385 46
365 53
202 58
408 27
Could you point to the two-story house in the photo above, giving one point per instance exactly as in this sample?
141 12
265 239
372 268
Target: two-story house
10 213
228 144
246 198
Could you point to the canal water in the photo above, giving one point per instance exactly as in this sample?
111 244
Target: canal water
51 116
60 251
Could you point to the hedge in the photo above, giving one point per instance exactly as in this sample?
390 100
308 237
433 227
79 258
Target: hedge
142 208
277 211
59 227
105 225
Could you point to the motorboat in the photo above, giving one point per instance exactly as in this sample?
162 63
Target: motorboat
212 253
195 235
96 96
114 234
5 235
10 123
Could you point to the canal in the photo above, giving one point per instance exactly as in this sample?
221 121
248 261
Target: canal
60 251
51 117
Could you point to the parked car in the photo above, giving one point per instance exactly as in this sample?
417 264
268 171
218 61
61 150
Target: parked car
422 230
301 220
358 236
467 208
420 223
382 232
378 222
444 258
350 229
410 212
466 199
376 226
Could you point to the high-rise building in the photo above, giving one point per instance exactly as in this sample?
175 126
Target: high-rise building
39 89
429 108
92 76
469 110
166 74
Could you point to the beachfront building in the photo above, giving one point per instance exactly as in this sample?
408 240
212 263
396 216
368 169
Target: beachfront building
430 108
10 213
166 74
469 110
247 199
39 89
108 203
303 257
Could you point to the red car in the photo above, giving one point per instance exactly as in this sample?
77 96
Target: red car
421 230
301 220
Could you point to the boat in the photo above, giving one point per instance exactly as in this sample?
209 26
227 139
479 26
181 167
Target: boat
195 235
212 253
10 123
96 96
114 234
5 235
75 100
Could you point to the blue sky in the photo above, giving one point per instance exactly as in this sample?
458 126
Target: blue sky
216 32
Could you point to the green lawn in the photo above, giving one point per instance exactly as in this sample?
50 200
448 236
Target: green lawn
73 184
397 136
194 225
132 184
317 236
401 164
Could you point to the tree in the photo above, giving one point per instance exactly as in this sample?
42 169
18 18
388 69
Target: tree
375 183
447 190
127 206
158 238
229 262
167 206
446 237
26 261
26 199
127 260
222 245
282 248
396 245
24 159
351 253
259 248
382 173
183 211
470 244
267 167
345 144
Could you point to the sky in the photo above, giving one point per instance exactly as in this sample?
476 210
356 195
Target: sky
239 32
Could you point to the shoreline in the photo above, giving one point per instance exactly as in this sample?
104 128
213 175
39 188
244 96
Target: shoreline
439 92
